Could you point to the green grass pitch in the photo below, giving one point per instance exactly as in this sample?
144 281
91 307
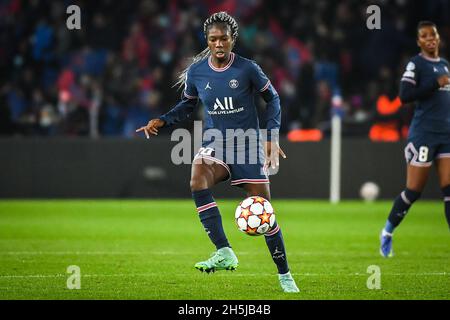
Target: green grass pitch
142 249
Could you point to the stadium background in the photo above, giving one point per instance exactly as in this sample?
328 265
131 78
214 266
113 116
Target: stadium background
72 99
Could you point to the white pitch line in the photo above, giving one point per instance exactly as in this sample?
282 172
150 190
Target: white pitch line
34 276
75 253
31 253
220 274
305 253
62 253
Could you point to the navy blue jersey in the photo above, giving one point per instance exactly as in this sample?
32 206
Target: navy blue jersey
228 95
419 84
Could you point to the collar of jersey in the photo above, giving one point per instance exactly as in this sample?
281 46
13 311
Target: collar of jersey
430 59
224 68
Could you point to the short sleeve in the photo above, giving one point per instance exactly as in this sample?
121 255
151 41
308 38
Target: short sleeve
190 91
258 78
411 73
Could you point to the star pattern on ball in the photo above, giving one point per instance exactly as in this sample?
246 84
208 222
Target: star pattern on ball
265 217
259 200
245 213
251 231
254 216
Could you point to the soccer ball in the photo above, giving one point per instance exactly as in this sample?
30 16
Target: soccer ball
369 191
255 216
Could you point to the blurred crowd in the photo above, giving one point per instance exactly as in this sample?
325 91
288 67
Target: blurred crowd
118 71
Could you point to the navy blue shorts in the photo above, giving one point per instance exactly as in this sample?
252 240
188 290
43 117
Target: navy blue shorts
243 167
423 148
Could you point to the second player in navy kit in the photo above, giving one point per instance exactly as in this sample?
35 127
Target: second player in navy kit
426 82
227 85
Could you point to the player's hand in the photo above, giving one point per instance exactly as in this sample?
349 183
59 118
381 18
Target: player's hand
273 152
152 127
443 80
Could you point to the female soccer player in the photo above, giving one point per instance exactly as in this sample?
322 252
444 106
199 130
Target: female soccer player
425 81
226 84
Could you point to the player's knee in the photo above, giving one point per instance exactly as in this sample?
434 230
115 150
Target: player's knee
261 190
198 183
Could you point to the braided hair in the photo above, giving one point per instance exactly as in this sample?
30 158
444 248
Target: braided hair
217 18
425 23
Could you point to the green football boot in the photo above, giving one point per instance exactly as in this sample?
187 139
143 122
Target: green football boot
222 259
288 283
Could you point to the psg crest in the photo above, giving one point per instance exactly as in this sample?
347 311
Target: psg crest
234 84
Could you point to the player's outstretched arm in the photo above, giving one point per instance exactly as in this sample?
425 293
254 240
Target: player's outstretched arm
178 113
152 127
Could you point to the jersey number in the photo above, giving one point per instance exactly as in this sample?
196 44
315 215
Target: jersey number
423 154
206 151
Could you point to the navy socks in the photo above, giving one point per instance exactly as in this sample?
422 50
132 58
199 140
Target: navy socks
275 243
210 217
400 208
446 193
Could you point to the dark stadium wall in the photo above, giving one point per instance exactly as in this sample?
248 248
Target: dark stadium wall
140 168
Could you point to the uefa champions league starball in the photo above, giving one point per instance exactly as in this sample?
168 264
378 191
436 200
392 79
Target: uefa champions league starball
255 216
